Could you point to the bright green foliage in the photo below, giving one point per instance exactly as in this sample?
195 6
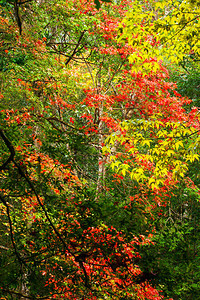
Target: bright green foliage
174 257
187 78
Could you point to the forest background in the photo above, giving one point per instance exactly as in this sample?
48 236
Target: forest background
99 173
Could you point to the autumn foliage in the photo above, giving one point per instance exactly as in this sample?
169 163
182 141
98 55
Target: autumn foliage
93 154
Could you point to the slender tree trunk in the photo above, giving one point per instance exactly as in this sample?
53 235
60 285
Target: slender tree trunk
23 289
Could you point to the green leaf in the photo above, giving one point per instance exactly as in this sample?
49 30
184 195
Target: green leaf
97 4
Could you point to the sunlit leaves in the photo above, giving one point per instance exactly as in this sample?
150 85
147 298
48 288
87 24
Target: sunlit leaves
161 30
152 150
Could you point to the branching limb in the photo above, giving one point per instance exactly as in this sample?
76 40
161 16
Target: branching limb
75 49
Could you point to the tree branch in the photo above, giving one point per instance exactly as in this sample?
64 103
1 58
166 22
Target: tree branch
25 176
11 149
75 49
11 230
22 295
